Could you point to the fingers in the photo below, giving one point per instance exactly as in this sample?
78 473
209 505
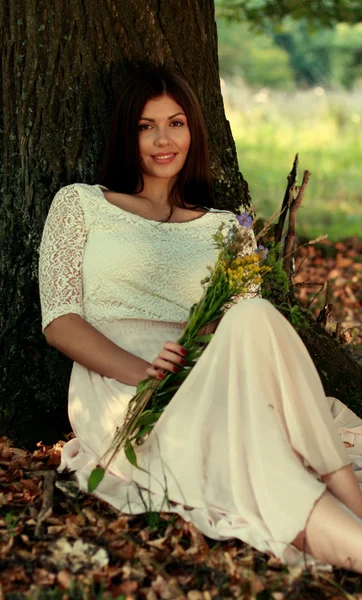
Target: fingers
159 367
168 361
171 358
174 347
151 372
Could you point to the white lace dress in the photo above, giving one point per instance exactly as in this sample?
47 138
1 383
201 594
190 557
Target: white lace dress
242 445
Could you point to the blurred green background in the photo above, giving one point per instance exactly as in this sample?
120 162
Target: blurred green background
292 82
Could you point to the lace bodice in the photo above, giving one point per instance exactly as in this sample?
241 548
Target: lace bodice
104 263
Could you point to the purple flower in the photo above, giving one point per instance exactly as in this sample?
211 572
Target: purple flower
263 251
244 220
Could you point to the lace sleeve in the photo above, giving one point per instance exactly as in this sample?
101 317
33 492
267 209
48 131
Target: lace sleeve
61 256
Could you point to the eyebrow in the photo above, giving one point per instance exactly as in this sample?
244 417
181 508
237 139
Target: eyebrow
171 117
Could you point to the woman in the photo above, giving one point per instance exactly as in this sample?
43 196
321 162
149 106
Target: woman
247 447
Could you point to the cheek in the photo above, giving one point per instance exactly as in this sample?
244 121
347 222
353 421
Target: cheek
186 141
142 145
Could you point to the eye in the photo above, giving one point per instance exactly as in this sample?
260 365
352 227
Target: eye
145 126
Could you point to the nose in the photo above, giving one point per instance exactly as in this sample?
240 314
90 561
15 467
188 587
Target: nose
162 136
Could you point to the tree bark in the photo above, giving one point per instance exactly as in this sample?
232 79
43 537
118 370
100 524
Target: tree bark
62 65
341 376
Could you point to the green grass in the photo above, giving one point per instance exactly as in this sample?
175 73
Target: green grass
325 129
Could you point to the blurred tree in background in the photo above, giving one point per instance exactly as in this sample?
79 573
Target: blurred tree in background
255 58
284 43
329 56
262 13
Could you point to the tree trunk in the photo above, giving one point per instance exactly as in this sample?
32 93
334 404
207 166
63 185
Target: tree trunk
62 64
341 376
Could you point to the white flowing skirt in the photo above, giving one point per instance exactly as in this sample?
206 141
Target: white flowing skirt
239 450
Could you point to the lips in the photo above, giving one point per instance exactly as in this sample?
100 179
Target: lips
164 158
164 155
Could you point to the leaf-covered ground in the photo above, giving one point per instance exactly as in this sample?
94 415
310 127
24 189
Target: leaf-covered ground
57 543
338 264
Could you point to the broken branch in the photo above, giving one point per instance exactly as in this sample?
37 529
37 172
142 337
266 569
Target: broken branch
289 241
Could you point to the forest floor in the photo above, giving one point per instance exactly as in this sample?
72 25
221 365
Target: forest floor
58 543
331 272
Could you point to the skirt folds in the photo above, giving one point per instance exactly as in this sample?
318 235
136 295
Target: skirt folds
239 450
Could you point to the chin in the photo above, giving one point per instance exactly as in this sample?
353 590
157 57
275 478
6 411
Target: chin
163 173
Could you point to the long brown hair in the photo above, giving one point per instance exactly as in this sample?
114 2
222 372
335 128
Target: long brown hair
121 167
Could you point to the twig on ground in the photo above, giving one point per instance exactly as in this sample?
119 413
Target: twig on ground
307 283
301 264
266 225
310 243
326 315
353 327
337 333
289 241
328 293
288 196
47 505
316 295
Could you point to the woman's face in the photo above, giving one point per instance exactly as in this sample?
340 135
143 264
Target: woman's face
164 137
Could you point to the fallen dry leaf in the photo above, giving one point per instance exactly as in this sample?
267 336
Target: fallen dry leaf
43 578
76 556
195 595
64 578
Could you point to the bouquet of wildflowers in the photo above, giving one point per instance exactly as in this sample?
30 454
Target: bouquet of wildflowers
232 277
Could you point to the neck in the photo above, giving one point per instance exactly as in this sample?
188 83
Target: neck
156 191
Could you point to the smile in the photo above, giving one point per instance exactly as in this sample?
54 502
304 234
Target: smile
164 158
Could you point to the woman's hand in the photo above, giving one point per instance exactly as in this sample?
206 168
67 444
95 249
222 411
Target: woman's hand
170 358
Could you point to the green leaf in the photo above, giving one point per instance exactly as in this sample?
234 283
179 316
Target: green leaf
180 375
147 419
143 384
204 339
130 454
195 354
95 478
143 431
168 390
